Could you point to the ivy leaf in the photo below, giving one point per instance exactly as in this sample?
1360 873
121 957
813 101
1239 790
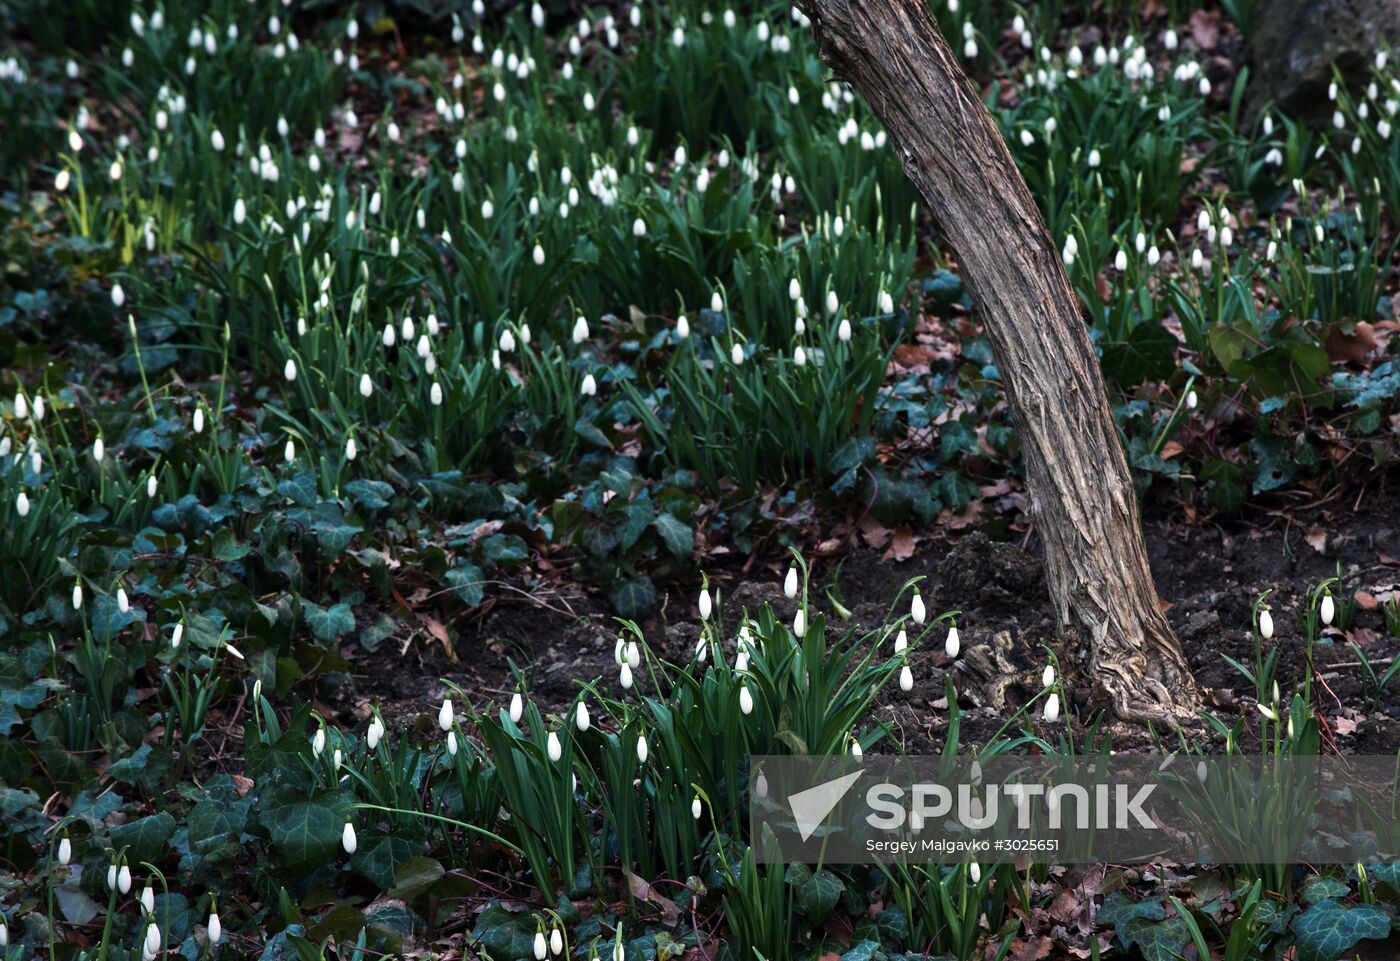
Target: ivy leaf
816 892
1118 909
1157 940
300 490
1328 929
1148 354
328 623
1318 888
505 935
145 836
679 538
305 833
379 855
216 827
634 597
468 583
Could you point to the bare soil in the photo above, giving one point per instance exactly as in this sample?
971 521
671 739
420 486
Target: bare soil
1206 574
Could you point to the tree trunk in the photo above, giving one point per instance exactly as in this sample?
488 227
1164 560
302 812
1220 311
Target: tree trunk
1082 498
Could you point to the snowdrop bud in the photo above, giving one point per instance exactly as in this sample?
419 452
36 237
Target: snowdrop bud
556 941
745 700
799 622
696 808
1266 625
916 608
445 714
112 877
624 676
634 655
539 256
318 741
124 879
77 596
886 303
517 707
215 928
152 936
906 679
581 718
347 838
21 407
1052 708
118 295
75 141
682 327
435 394
290 370
1326 609
1047 677
1027 138
240 211
1154 256
580 330
65 852
1268 712
641 748
736 354
148 898
974 871
372 735
1198 259
790 582
1191 400
99 450
705 605
123 602
639 227
451 745
1120 261
289 453
22 504
953 644
350 449
843 330
901 642
177 635
589 387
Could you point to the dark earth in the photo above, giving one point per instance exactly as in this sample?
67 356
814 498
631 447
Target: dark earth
1207 576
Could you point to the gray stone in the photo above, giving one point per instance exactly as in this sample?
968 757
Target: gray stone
1294 44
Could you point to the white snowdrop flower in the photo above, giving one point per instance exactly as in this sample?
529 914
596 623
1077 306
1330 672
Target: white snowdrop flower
517 707
1267 711
1271 252
1266 625
21 407
1094 158
1120 261
22 504
832 303
642 749
1169 40
682 327
124 879
112 877
970 49
214 928
1140 242
581 718
736 354
556 941
1318 233
118 295
901 642
123 602
917 611
1327 609
199 420
539 256
1047 677
790 582
624 676
1227 236
886 302
507 341
639 227
65 854
451 743
745 700
906 679
347 838
580 330
1052 708
153 942
1027 138
318 742
240 211
99 450
705 604
1197 259
290 370
289 453
148 898
1191 400
1154 256
696 808
1203 88
75 141
61 180
953 644
799 622
553 747
794 290
435 394
974 871
589 387
843 330
445 714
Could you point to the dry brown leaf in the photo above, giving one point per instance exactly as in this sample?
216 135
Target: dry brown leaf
1351 347
1205 28
1317 539
1344 725
901 545
438 630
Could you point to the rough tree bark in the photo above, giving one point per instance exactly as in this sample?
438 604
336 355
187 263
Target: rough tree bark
1081 492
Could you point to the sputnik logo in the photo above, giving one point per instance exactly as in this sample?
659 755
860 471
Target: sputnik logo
810 807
